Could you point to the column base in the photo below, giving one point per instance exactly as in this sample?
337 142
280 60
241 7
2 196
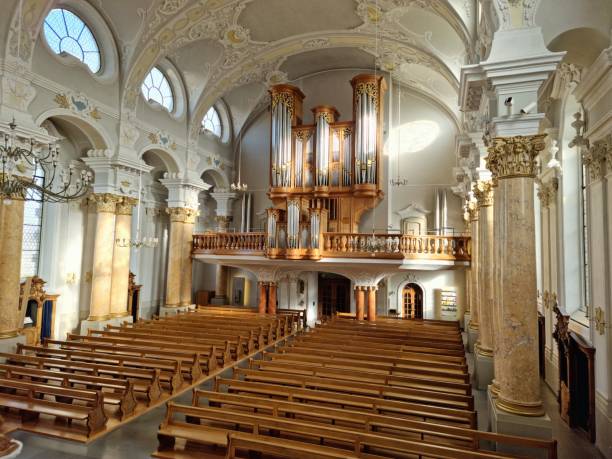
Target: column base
472 338
524 426
219 300
467 317
9 345
483 369
173 310
101 324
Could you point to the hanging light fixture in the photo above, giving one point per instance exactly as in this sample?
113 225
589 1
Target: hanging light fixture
240 187
19 157
399 181
138 242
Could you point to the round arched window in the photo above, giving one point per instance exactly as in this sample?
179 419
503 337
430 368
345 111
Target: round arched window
65 32
212 122
155 87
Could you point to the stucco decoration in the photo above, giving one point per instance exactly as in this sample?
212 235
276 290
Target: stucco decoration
78 103
215 161
27 19
17 92
129 132
163 139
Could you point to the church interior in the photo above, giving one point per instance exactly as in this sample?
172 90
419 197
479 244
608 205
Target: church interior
356 229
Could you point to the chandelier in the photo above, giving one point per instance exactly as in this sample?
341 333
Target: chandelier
399 181
138 242
240 187
19 157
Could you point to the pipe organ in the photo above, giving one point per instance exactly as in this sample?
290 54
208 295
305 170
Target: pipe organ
324 175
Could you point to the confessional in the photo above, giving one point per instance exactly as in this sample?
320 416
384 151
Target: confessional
576 378
38 309
134 297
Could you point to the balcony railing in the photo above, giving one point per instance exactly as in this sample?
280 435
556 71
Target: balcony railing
340 245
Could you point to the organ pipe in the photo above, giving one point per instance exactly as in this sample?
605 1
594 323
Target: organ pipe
293 224
324 116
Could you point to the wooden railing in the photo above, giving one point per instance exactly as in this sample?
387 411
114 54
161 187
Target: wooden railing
341 245
230 243
356 245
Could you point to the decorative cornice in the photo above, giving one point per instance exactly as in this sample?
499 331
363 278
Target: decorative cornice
125 206
515 156
182 214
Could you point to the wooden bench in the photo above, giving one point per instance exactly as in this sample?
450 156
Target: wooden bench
121 395
373 403
355 440
26 396
146 380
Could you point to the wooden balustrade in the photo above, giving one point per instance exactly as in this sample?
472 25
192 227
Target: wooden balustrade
343 245
230 243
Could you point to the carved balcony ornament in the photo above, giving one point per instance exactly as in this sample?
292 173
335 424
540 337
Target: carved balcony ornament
561 332
483 192
511 157
579 140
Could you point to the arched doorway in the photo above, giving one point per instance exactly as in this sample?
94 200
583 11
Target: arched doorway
334 294
412 301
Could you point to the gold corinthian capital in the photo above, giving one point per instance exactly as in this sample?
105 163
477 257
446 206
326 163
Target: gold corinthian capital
514 156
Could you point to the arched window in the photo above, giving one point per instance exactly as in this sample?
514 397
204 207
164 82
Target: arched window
32 228
155 87
212 122
65 32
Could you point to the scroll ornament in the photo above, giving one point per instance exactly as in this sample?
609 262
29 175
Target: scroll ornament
515 156
370 89
284 98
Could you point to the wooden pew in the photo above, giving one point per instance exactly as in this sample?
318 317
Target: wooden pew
356 440
121 392
429 397
26 396
146 380
184 353
373 403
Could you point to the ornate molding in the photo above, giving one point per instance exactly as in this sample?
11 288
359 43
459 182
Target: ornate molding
483 192
126 205
77 103
596 156
547 193
600 323
511 157
105 202
182 214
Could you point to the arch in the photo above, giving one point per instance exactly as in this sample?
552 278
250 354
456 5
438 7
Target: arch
95 133
400 290
219 176
169 159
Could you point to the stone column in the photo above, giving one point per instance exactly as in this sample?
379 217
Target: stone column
263 297
474 299
272 298
221 286
484 346
371 304
224 208
175 256
104 243
186 262
11 227
512 160
498 203
359 302
121 258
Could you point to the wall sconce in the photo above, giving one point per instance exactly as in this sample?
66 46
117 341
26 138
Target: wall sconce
600 323
71 278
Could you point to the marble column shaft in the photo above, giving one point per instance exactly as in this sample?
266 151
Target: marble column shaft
498 203
512 160
474 320
272 298
104 244
177 255
221 281
187 262
263 298
121 258
359 303
484 194
371 304
11 240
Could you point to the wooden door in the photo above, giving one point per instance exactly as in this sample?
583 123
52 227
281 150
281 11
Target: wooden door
334 295
412 300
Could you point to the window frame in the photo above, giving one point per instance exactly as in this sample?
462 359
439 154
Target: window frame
153 102
39 178
218 135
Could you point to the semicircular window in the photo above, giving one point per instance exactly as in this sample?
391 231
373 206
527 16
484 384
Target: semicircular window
65 32
155 87
211 122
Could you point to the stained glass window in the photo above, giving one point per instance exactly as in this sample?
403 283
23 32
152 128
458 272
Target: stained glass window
65 32
212 122
32 225
156 87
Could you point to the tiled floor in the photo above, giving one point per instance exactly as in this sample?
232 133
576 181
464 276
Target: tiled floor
138 439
